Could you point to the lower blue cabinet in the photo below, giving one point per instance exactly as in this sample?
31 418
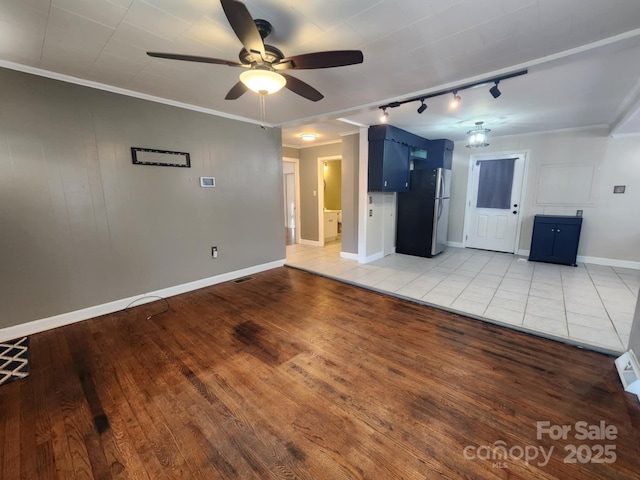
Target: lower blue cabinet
555 239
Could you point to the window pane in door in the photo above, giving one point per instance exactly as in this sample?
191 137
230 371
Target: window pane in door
495 182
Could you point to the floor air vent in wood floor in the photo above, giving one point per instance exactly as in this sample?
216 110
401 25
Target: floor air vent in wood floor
243 279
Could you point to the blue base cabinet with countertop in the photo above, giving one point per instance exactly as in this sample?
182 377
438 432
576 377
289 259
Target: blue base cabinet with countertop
555 239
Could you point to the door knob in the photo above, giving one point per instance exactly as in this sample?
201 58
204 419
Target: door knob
515 212
515 205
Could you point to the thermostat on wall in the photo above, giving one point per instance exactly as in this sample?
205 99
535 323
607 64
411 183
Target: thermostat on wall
207 181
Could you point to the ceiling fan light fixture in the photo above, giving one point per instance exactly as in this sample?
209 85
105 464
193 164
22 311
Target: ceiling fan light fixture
263 80
495 91
478 137
308 137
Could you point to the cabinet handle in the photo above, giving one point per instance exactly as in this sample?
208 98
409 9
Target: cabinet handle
385 183
552 230
558 230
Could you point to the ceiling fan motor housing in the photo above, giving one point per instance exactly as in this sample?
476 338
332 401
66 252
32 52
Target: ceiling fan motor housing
273 55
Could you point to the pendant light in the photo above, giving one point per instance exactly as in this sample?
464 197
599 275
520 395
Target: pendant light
478 137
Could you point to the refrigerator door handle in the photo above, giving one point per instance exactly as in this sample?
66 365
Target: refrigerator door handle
434 229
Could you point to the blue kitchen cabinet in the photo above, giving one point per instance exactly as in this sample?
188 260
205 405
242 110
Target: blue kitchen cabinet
555 239
388 166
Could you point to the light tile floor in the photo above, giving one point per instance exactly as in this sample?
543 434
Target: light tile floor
590 305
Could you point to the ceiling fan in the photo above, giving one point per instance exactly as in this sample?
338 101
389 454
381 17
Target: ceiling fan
265 63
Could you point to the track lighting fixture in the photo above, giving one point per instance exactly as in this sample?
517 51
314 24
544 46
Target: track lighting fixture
455 101
495 91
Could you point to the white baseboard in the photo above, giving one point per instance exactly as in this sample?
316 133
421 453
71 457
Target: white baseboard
349 256
524 253
455 244
68 318
312 243
371 258
611 262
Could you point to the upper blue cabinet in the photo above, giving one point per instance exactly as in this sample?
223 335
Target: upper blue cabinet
392 153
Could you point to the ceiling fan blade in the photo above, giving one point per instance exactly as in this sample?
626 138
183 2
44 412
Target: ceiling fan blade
195 58
244 27
337 58
301 88
236 91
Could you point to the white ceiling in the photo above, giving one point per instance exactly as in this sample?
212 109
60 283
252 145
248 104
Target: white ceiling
583 58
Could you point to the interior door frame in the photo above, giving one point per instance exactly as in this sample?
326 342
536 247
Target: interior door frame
321 162
296 180
491 156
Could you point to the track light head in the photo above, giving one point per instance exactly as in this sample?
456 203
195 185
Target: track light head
422 107
455 101
384 118
495 91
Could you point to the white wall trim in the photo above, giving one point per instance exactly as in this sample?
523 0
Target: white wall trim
611 262
43 324
363 195
123 91
296 179
312 144
455 244
371 258
312 243
349 256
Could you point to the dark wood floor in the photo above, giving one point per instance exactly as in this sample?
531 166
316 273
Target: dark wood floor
291 375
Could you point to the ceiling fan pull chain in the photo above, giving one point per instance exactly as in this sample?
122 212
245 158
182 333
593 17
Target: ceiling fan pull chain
263 110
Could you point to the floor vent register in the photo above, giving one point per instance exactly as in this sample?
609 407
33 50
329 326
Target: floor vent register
14 360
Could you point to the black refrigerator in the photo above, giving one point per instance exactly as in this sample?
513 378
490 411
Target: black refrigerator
423 213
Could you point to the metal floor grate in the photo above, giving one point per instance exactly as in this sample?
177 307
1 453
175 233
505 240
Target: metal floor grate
243 279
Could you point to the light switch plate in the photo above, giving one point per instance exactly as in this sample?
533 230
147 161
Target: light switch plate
619 189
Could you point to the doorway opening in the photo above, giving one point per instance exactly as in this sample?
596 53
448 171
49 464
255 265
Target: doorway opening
291 198
329 199
494 201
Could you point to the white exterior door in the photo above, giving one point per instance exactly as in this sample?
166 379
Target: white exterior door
494 201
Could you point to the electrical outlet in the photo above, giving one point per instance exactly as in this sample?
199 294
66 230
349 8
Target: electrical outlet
578 213
214 252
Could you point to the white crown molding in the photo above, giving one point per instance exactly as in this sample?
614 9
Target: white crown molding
320 144
123 91
68 318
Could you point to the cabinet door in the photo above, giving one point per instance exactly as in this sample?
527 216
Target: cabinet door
542 242
566 242
395 171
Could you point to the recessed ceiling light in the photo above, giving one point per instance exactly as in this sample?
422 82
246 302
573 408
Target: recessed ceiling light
308 137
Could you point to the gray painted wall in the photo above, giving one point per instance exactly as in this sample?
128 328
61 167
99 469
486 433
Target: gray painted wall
309 183
80 225
350 162
290 152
